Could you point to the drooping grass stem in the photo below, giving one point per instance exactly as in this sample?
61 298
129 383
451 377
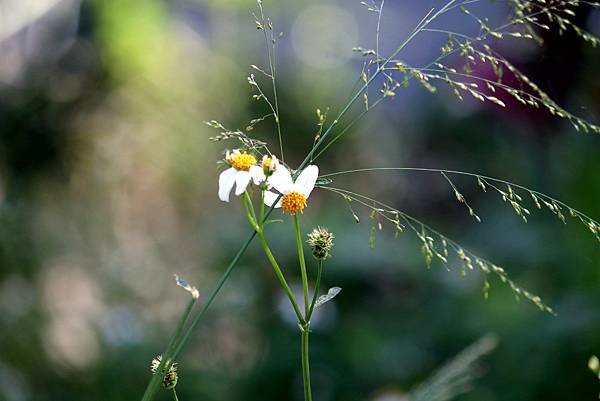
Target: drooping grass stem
585 218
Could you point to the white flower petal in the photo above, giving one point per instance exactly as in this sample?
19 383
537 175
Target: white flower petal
226 181
270 198
281 180
306 180
242 179
257 174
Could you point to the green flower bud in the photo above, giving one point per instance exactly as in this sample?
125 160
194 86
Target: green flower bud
170 378
321 242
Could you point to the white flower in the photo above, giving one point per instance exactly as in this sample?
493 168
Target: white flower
243 169
295 193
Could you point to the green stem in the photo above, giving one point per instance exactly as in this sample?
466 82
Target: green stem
179 328
167 359
302 263
213 294
316 291
252 218
247 201
305 364
262 209
175 395
280 276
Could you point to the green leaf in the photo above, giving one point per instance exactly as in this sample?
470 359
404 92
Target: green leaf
323 181
332 293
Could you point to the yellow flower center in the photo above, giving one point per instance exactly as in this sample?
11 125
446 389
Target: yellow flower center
242 161
293 202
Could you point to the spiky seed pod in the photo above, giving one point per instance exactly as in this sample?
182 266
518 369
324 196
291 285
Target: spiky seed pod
321 241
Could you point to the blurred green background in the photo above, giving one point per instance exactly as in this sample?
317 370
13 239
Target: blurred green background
108 188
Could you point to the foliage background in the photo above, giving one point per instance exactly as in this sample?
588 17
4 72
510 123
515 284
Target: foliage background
108 187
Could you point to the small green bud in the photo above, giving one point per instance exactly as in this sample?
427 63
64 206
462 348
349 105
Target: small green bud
170 378
321 242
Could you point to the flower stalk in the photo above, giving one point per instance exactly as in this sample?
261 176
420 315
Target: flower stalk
302 264
166 362
305 362
247 200
316 291
321 242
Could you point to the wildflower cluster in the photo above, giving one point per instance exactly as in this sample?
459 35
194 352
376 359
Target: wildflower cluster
255 171
280 188
281 191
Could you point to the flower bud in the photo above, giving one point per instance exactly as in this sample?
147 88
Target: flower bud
321 242
269 164
170 378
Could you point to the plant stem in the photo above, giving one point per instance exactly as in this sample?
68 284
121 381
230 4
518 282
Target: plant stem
175 395
316 291
305 327
262 209
167 359
179 328
249 207
281 277
305 364
252 218
302 263
214 293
